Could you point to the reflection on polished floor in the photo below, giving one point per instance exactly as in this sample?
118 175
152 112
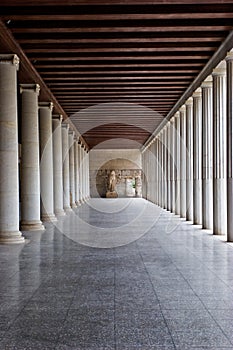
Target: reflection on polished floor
117 274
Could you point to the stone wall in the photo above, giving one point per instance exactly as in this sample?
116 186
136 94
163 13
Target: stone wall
126 163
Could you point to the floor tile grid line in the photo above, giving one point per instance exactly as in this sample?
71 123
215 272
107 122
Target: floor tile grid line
149 277
195 293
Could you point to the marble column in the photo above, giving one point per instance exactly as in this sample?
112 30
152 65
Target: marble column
156 170
76 172
189 159
160 169
30 159
197 159
183 162
177 162
172 165
219 148
207 153
66 168
168 167
46 161
85 173
71 167
88 175
165 166
57 165
80 173
9 184
229 61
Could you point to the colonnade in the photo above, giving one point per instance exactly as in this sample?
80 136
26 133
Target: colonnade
50 176
188 166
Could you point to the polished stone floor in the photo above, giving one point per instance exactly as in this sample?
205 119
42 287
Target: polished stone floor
117 274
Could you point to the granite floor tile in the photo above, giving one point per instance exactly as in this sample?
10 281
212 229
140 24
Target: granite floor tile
164 291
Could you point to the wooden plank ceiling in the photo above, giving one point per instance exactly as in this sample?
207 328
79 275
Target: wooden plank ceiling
117 67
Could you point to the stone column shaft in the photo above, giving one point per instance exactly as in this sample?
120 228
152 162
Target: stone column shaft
57 166
172 165
189 159
219 155
182 162
46 161
229 60
177 162
71 167
9 184
207 153
168 167
76 170
66 168
30 160
197 152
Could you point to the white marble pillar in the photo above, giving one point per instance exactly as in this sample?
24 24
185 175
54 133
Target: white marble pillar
172 165
160 169
197 157
30 159
66 168
9 174
80 173
71 168
168 167
207 153
189 159
165 166
182 162
219 148
156 170
229 60
46 161
88 174
177 162
57 165
76 172
85 173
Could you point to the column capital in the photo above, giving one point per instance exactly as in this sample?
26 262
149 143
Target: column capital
182 109
189 101
208 82
10 59
65 126
58 116
46 105
229 56
177 114
220 70
197 93
71 132
31 87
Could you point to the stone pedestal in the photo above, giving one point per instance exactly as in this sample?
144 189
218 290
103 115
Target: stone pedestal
111 194
46 161
219 159
66 168
57 166
30 162
9 184
207 151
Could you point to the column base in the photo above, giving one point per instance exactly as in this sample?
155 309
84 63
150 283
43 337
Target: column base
68 209
78 203
60 212
49 218
73 205
14 237
32 225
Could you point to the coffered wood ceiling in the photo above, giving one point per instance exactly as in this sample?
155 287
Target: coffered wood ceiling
116 68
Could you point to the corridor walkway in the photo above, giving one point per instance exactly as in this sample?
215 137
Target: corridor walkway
99 281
